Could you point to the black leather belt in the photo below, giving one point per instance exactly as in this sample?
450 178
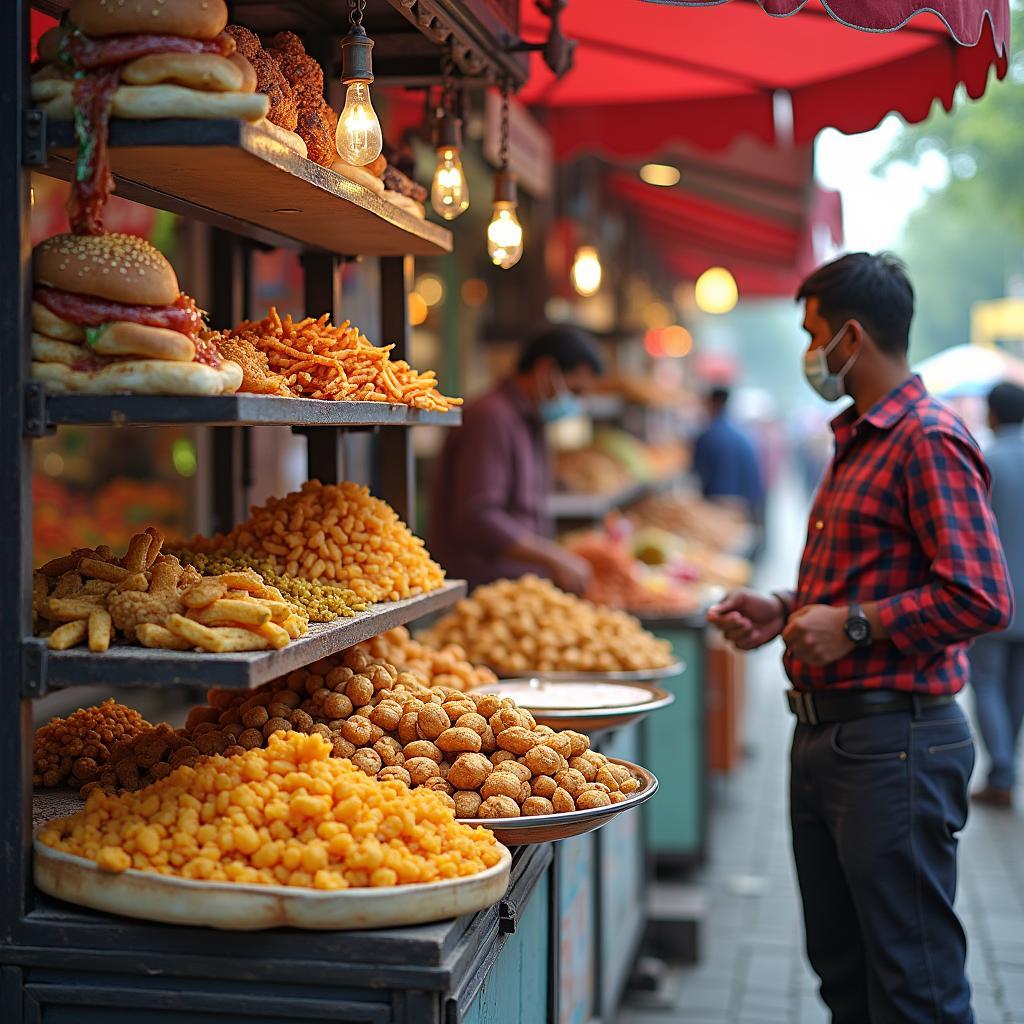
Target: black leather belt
818 708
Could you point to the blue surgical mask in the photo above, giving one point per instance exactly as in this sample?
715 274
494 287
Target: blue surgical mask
831 386
561 405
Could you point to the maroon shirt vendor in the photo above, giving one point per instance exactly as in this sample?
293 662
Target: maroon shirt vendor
488 518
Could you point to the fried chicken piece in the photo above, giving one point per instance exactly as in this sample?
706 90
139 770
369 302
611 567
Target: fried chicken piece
317 130
131 608
317 122
269 79
257 377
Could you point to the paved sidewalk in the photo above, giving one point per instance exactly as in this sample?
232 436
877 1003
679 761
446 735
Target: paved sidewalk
752 969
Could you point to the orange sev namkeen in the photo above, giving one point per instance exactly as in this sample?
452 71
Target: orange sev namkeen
289 814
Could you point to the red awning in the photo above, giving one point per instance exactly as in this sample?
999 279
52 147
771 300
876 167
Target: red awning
647 75
754 210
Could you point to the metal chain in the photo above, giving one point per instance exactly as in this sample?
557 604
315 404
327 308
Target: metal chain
355 12
503 151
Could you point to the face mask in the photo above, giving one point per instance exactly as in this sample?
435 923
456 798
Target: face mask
829 385
561 405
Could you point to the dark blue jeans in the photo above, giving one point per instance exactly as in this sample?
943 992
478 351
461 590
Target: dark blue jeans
876 804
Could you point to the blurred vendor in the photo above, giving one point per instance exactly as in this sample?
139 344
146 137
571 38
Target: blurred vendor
488 519
725 459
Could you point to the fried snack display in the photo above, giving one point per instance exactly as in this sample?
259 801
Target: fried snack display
528 624
151 599
77 748
445 667
483 755
314 359
621 581
320 602
336 534
690 517
288 815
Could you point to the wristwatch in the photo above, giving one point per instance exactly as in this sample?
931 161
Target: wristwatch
857 627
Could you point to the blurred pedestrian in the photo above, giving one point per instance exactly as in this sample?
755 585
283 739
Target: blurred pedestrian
488 518
997 661
725 459
901 569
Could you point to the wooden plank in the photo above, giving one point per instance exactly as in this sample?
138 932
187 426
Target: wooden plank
236 176
140 666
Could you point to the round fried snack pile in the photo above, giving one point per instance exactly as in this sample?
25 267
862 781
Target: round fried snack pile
445 667
288 815
530 625
336 534
483 755
80 745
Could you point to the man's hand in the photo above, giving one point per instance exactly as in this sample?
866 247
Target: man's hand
815 634
748 620
570 572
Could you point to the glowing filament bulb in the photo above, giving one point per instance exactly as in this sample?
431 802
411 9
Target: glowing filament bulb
504 235
586 271
449 194
358 138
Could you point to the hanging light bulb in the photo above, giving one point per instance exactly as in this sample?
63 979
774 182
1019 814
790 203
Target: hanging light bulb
358 138
716 291
504 233
586 271
449 193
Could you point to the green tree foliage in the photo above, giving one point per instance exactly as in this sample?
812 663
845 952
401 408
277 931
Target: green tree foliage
967 240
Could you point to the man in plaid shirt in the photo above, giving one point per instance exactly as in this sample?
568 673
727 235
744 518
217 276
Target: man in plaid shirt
902 568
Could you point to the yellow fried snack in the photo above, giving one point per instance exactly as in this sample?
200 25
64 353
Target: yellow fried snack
336 534
68 635
100 630
288 815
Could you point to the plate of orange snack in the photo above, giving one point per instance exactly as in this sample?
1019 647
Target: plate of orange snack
279 836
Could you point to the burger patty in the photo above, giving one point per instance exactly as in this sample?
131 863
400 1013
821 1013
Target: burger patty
87 311
85 53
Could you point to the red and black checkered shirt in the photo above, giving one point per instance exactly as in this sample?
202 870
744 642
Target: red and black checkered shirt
902 517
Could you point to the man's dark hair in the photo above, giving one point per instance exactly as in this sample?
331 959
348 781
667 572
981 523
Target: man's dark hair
1006 404
568 346
873 289
718 397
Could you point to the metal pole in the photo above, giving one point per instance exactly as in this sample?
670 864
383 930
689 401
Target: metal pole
395 466
16 473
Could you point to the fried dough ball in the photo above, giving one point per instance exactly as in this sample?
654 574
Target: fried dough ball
455 741
501 784
469 771
544 786
467 803
499 807
562 802
592 798
542 760
537 805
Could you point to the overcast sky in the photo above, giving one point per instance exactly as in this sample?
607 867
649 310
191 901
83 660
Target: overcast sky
874 208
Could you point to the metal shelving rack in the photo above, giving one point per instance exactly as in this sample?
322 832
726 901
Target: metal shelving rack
58 962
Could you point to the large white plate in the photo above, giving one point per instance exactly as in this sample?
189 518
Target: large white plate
639 675
581 704
241 907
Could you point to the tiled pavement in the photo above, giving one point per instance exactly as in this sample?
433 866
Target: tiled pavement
752 968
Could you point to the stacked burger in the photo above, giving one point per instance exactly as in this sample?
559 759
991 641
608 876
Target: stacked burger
139 60
108 316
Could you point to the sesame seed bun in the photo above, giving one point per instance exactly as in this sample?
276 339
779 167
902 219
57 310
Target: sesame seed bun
195 19
122 268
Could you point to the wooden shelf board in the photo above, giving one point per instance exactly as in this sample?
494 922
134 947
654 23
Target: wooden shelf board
236 176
